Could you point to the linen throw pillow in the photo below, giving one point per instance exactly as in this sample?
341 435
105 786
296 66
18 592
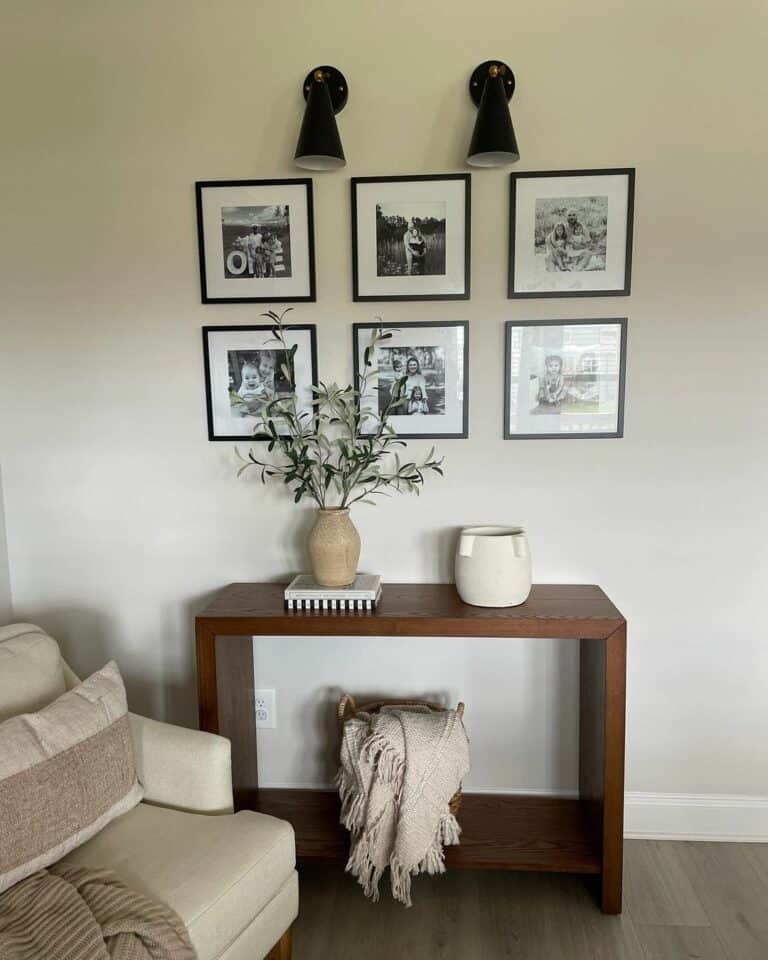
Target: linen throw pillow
65 772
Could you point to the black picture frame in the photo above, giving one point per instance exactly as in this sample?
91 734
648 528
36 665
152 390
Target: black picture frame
461 434
515 178
310 328
306 183
622 323
359 297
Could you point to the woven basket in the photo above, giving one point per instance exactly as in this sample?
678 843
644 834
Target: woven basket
348 709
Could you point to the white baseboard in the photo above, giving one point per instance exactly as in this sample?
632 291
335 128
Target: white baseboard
696 816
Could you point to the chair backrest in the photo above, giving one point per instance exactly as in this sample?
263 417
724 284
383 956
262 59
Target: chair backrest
32 670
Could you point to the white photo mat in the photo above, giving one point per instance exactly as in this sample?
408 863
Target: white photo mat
529 275
452 192
592 359
450 341
214 198
223 424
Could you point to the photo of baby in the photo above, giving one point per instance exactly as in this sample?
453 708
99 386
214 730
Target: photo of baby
255 379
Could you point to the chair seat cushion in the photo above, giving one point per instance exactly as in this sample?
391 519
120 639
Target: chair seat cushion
216 872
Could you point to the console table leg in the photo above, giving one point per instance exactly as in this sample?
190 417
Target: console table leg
207 692
237 715
601 754
225 694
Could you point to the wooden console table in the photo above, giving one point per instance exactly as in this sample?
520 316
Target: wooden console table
500 832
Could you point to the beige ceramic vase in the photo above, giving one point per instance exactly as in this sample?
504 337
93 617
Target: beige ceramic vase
334 548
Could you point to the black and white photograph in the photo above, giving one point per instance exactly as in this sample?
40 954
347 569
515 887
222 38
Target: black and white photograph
256 378
255 240
411 237
245 371
571 233
564 378
419 378
414 376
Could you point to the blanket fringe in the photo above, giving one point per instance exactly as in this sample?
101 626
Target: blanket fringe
380 753
401 881
352 802
353 811
360 864
449 831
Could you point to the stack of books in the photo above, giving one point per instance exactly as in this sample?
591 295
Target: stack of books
304 593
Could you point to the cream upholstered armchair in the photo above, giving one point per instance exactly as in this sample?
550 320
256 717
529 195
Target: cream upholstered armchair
230 877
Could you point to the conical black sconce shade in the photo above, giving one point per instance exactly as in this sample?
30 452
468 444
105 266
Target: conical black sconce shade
493 141
319 146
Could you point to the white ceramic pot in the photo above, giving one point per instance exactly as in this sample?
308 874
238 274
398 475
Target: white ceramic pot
493 566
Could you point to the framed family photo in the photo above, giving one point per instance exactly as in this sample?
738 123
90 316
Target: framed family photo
411 237
256 240
564 378
243 373
424 366
571 233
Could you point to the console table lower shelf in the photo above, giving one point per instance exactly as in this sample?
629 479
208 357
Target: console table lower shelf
499 831
583 835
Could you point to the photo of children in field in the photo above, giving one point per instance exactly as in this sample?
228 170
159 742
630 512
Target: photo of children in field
410 238
257 242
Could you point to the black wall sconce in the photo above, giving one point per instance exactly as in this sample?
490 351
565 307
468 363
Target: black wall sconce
493 141
319 146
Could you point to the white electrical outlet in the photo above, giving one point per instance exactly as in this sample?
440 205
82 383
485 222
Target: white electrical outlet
265 706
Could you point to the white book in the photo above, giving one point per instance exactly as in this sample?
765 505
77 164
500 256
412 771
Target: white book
304 593
365 587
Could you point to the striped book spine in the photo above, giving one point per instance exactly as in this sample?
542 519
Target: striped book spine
324 603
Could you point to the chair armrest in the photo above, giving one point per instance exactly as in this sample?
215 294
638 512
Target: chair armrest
182 768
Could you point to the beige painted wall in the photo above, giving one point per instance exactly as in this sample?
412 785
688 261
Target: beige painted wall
6 610
122 518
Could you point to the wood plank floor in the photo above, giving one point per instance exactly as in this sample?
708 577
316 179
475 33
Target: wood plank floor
682 901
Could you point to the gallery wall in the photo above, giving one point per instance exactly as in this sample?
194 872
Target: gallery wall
123 519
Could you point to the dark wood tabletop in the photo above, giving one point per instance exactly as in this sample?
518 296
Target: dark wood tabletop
419 609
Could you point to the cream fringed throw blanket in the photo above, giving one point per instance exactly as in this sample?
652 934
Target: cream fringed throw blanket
73 913
399 770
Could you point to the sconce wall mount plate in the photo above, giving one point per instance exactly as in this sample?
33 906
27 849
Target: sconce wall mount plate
480 75
336 83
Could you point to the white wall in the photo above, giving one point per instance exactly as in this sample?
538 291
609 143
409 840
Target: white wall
122 517
6 610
